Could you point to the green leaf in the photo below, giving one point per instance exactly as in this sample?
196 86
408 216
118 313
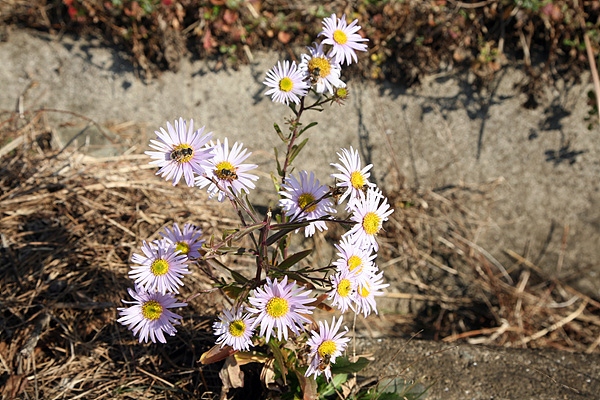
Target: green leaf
344 366
275 183
296 150
279 133
279 170
283 231
294 259
279 360
307 127
336 383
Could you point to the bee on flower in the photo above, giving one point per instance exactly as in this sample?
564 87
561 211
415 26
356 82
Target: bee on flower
326 345
227 168
180 151
324 73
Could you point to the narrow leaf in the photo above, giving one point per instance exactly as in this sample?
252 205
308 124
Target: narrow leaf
294 259
279 133
296 150
307 127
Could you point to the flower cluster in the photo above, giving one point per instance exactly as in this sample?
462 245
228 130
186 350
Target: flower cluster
157 278
272 309
181 151
289 82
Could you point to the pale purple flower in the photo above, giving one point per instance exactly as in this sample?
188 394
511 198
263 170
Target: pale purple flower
279 306
352 176
286 83
235 329
187 242
227 169
300 200
343 38
356 259
181 151
366 292
321 70
325 346
369 216
343 290
149 315
160 268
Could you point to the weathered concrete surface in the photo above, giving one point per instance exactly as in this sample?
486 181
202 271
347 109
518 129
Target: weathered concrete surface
478 372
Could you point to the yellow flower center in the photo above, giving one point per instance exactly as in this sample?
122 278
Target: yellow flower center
364 291
304 200
151 310
355 262
277 307
343 287
371 223
357 180
342 93
159 267
286 84
322 63
340 37
183 247
237 328
327 347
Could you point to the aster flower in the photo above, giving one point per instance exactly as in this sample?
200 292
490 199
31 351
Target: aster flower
187 242
366 292
286 83
325 346
149 315
343 290
160 268
321 69
227 169
369 216
355 259
343 38
352 176
297 196
280 306
234 329
180 151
